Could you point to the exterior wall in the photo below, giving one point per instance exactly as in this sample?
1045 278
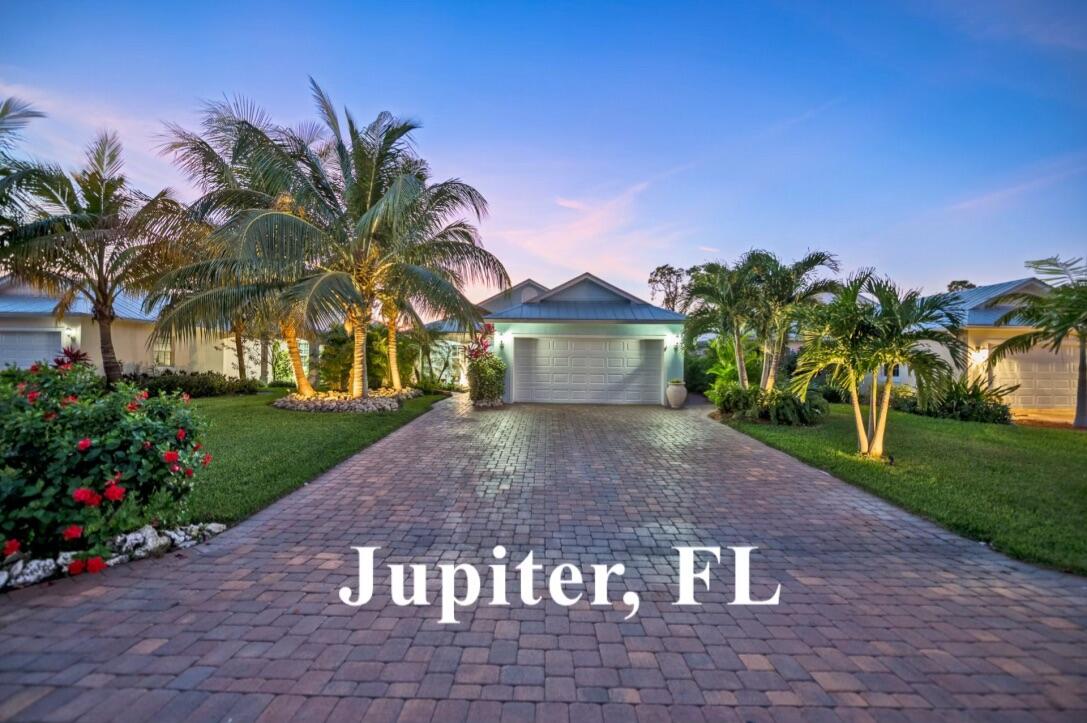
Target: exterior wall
129 343
506 332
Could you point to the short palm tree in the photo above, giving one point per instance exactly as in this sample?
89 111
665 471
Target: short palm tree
721 299
852 337
90 235
1057 318
783 291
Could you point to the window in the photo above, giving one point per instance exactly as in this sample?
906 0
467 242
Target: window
896 372
164 353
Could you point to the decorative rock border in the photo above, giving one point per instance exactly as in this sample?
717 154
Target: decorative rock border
378 400
144 542
488 403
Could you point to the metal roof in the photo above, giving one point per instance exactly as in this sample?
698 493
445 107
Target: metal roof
446 326
586 311
977 304
127 306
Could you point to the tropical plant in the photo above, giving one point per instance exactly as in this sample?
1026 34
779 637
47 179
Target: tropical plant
720 298
851 338
89 235
961 398
14 116
80 464
1056 318
783 292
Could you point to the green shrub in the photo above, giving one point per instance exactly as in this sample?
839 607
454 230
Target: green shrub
777 406
486 378
195 384
696 372
281 384
959 398
832 393
79 464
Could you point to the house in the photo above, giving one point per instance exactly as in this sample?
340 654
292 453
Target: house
582 342
1046 380
30 332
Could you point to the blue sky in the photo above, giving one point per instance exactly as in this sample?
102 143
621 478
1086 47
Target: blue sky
930 140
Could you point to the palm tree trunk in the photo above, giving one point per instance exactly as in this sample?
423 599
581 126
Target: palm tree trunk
358 360
1080 421
738 349
858 417
765 364
876 450
873 396
394 365
110 365
265 343
239 350
314 371
290 335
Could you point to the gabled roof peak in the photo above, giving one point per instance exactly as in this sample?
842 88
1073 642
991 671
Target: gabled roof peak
631 298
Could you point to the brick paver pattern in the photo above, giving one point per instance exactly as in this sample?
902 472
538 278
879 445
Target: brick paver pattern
883 616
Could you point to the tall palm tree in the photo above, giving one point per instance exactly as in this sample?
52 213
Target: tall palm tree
90 235
1058 318
722 299
783 291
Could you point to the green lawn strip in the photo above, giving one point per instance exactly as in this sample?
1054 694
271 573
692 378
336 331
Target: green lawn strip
261 453
1021 489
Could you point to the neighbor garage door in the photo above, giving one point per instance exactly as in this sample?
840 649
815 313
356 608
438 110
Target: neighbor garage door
23 348
596 371
1046 380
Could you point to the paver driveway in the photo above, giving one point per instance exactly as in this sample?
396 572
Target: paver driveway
882 615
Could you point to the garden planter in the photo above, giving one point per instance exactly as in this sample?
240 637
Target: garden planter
676 394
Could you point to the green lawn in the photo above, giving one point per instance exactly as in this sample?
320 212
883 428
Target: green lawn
261 453
1021 489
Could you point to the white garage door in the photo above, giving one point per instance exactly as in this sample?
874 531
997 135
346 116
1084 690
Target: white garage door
1046 380
23 348
597 371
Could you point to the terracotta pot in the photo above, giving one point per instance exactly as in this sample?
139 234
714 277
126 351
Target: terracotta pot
676 394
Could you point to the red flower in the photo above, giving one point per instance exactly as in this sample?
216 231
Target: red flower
114 492
181 435
169 456
49 416
175 468
207 460
70 399
72 532
11 547
196 446
84 444
143 394
87 496
96 564
132 406
32 396
189 472
35 368
76 567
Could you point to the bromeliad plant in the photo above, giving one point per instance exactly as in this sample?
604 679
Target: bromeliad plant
486 370
80 464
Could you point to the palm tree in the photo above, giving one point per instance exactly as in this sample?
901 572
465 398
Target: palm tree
1057 318
14 115
90 235
851 337
783 291
722 299
910 330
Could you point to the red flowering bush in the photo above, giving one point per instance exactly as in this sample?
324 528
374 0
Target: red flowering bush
80 464
486 371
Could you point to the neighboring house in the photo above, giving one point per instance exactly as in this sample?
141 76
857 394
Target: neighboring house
1046 380
30 332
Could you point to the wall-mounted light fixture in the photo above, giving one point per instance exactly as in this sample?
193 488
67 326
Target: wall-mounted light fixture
671 341
979 356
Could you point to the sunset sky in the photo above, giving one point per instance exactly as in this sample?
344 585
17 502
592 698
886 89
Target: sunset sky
930 140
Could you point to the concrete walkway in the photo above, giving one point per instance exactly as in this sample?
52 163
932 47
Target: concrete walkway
883 616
